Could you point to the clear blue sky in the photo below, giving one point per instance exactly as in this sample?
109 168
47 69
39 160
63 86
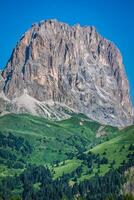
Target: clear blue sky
114 19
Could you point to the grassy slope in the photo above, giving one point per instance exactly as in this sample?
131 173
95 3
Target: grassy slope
50 140
116 149
47 137
53 141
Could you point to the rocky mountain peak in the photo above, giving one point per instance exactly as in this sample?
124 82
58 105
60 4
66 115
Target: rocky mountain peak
72 67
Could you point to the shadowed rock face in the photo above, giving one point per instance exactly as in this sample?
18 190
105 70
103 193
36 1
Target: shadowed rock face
73 66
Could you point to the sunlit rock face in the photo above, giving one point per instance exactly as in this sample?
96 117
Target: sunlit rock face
73 66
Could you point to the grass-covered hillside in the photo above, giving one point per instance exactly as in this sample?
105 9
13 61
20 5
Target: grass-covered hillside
50 141
99 159
76 148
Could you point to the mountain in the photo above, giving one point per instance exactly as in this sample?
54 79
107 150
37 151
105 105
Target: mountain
56 70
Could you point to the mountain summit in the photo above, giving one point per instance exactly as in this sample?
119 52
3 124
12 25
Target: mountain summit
56 69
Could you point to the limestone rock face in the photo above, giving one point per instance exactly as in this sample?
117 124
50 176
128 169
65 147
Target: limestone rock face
72 66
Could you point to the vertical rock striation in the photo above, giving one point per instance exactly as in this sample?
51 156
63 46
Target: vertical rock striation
72 66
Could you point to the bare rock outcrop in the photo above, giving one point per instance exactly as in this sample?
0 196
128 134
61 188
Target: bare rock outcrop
72 66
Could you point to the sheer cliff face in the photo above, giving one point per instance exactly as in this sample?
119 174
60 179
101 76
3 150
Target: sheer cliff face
72 66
